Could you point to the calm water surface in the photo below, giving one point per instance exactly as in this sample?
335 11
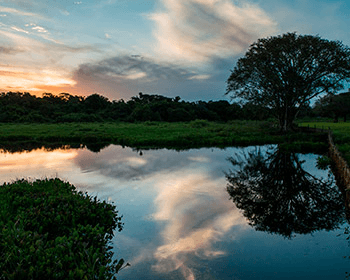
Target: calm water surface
180 222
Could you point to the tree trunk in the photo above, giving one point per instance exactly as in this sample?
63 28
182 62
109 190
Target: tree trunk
286 119
285 125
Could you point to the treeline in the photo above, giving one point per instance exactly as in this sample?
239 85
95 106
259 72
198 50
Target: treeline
64 107
18 107
333 106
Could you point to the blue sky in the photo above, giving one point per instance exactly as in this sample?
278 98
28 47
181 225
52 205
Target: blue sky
119 48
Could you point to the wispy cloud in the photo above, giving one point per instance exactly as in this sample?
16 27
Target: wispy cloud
37 28
18 29
197 30
31 64
18 12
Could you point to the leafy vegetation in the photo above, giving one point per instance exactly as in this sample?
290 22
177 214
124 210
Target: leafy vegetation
51 231
333 106
285 72
17 107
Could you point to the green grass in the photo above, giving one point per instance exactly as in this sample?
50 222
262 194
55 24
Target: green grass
341 134
197 133
52 231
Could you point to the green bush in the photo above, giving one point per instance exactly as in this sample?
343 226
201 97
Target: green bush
199 123
52 231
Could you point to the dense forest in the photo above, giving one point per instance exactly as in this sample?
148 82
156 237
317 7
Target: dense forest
24 107
17 107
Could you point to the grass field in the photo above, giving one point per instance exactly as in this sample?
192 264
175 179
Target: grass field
341 134
193 134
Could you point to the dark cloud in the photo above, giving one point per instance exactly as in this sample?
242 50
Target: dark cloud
125 67
126 76
9 50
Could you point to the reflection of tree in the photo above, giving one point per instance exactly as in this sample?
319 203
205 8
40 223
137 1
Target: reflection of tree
278 196
21 147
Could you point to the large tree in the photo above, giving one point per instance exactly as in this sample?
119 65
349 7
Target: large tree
285 72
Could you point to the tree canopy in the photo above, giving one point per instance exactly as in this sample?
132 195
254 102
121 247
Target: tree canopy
334 106
20 107
285 72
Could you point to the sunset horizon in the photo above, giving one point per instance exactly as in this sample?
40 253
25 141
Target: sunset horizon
166 47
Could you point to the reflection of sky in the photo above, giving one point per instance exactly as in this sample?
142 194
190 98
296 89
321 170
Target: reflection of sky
179 221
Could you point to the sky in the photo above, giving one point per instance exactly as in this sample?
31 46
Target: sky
118 48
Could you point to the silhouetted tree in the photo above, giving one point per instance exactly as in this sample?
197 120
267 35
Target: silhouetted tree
277 195
286 72
64 107
334 106
96 102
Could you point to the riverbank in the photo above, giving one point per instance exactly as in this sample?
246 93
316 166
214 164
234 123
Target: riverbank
179 135
341 135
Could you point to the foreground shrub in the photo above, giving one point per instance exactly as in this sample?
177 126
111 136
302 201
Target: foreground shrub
49 230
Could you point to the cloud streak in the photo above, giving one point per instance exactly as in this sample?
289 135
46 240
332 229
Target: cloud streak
17 12
197 30
132 67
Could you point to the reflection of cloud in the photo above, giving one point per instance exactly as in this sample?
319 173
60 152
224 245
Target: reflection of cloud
196 30
116 162
198 214
199 159
199 77
34 164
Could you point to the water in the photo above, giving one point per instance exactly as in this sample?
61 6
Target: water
180 222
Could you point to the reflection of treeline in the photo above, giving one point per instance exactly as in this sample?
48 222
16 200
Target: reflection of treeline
24 107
